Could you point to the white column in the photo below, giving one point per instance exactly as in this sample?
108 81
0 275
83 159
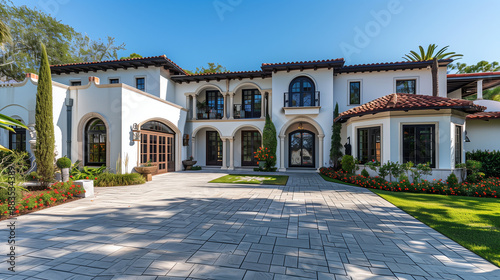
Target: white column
262 105
231 153
320 146
479 89
224 117
282 154
194 106
231 105
224 155
193 147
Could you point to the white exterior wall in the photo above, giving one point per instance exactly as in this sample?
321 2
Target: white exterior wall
483 135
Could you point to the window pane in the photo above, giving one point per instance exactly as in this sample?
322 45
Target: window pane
369 144
140 83
354 93
405 86
114 81
458 144
419 144
301 92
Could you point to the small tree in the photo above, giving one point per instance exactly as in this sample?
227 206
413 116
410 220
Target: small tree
44 123
269 140
335 150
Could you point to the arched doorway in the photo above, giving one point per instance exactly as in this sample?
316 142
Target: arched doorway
157 146
95 143
301 152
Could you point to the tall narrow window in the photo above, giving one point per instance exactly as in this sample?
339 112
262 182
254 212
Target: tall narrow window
17 139
250 143
458 144
354 93
301 93
369 144
406 86
215 104
140 83
251 103
419 145
95 143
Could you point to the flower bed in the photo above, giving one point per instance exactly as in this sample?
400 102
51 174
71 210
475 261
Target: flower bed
55 194
485 188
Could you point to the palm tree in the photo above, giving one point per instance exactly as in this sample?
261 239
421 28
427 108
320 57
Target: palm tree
431 54
5 36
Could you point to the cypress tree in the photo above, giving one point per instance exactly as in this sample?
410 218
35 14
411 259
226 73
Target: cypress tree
269 139
44 123
335 150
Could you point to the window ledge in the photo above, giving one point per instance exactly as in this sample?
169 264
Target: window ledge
311 110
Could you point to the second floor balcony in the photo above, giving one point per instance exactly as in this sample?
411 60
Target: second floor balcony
301 103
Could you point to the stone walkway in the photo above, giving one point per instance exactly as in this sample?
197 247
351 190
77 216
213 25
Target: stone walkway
181 227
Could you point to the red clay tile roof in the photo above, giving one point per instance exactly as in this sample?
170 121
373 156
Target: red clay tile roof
138 59
405 101
473 74
227 72
484 115
303 62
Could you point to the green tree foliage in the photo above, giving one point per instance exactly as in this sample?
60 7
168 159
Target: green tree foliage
132 55
481 66
5 36
212 68
44 124
431 53
269 139
336 146
30 26
7 123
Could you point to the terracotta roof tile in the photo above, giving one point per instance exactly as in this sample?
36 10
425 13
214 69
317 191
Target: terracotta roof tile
227 72
484 115
404 101
464 75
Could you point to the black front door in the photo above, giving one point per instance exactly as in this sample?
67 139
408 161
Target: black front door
301 153
250 143
214 148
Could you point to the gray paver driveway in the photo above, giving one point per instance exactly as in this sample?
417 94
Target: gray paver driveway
179 226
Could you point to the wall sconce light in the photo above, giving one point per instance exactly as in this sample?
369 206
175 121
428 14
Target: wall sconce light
185 140
467 140
136 133
300 126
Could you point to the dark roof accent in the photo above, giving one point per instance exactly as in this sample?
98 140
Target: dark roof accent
220 76
154 61
406 102
468 82
391 66
484 116
301 65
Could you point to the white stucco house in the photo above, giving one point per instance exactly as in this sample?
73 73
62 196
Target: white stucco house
149 109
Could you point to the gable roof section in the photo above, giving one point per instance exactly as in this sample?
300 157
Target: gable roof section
406 102
484 116
155 61
391 66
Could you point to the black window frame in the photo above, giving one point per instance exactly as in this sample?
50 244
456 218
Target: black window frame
372 152
252 94
303 92
20 139
458 144
114 81
76 83
415 153
407 80
88 143
139 85
215 101
350 93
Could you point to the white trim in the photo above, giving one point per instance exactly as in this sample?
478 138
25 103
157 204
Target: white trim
436 139
354 143
145 82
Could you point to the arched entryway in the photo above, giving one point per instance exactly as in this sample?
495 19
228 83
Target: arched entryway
301 148
158 146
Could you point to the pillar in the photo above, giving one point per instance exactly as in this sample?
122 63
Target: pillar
231 153
282 153
193 147
479 89
262 105
231 105
194 106
320 147
224 155
224 117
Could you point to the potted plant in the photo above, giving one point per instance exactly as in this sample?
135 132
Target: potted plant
264 157
64 164
202 107
146 170
188 163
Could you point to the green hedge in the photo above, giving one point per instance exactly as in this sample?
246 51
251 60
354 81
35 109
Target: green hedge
490 161
110 179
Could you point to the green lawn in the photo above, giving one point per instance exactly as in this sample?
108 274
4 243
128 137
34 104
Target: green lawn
252 179
326 178
474 222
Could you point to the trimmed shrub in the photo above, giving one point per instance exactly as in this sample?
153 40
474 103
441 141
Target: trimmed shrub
490 161
336 147
348 164
452 180
269 141
63 162
365 173
110 180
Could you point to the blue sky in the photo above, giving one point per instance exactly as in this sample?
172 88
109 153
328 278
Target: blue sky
242 34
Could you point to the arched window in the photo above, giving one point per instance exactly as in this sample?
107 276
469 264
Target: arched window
301 93
95 143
